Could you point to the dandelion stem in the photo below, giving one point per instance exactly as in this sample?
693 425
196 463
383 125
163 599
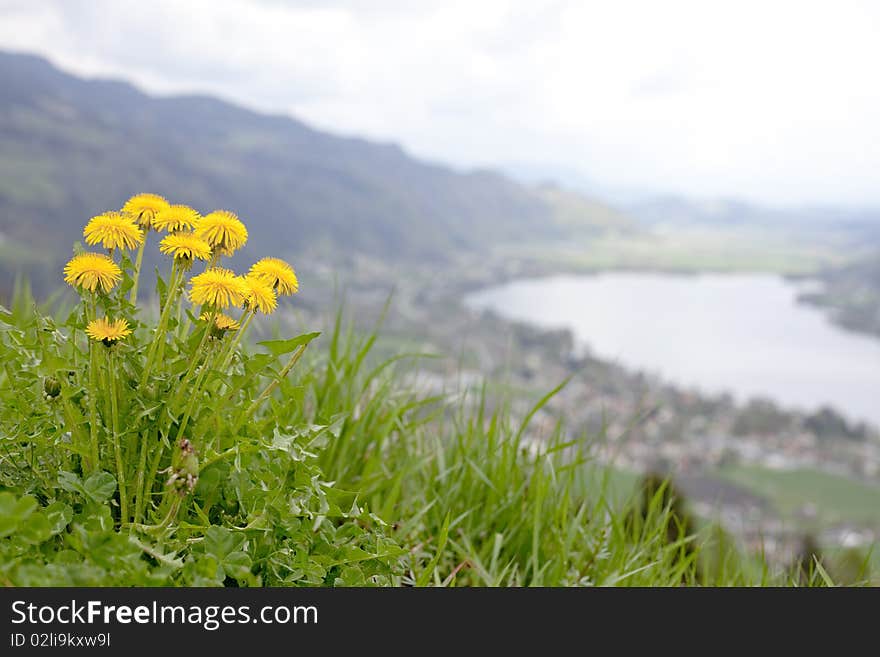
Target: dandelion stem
151 478
228 353
160 328
250 410
240 333
230 350
181 328
141 475
80 442
102 381
137 270
193 395
177 292
93 403
117 447
172 511
195 359
170 493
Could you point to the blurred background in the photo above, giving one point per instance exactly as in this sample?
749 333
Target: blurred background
674 204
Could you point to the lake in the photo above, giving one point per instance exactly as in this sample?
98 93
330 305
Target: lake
745 334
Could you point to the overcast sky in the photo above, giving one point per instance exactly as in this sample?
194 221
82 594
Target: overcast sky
772 100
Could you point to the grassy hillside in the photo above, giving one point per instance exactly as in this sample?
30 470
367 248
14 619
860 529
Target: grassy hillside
827 497
165 451
423 493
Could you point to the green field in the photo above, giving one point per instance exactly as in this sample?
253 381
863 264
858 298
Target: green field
835 498
719 249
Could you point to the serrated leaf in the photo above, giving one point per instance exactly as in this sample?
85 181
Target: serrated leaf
281 347
220 542
168 559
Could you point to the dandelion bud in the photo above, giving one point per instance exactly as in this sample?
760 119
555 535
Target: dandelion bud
51 387
189 462
184 468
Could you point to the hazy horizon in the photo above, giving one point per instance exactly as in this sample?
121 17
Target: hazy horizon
737 101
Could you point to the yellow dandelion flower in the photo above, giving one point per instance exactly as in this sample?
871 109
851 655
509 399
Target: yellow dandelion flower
185 246
113 230
92 270
223 231
218 288
175 218
277 274
143 208
222 322
106 331
259 295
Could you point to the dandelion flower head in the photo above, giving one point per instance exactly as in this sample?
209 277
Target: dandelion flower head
91 271
185 246
259 295
217 287
277 273
143 208
108 331
113 230
175 218
223 231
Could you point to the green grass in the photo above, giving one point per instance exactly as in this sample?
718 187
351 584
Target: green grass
835 498
402 489
474 506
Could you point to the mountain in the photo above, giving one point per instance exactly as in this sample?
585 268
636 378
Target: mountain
73 147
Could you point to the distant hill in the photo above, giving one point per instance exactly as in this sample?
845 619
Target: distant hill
579 216
852 294
680 211
71 147
537 173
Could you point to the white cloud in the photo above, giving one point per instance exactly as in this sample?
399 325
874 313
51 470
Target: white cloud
771 100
